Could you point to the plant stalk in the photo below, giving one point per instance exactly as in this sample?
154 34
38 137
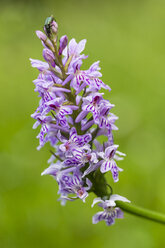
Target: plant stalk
141 212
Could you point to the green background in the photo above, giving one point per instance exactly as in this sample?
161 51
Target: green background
128 37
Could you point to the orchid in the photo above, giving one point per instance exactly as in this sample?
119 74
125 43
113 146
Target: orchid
111 212
73 114
108 162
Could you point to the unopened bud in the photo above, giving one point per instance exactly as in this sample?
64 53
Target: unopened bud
41 35
63 44
49 56
54 27
45 41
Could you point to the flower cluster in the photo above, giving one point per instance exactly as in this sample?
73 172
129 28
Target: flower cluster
72 114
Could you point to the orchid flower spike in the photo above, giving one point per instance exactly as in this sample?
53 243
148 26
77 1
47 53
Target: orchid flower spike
72 115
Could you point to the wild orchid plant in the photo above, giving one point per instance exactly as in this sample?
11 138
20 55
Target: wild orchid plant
73 113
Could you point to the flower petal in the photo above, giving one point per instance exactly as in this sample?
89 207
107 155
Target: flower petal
106 166
97 217
109 221
96 200
120 214
81 116
116 197
81 46
110 151
114 170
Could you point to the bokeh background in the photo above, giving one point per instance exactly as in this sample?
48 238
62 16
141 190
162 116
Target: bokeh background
128 37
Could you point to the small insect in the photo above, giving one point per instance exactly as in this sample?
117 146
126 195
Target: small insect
48 25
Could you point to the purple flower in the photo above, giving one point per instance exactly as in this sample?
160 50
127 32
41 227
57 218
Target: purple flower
48 133
90 104
49 130
61 110
74 49
45 122
80 79
45 85
108 162
49 56
40 119
94 104
41 66
110 212
75 141
73 184
53 169
79 158
106 120
63 44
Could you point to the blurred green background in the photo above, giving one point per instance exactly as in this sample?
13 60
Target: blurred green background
128 37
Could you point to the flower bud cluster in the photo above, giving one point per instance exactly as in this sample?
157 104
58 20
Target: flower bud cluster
73 114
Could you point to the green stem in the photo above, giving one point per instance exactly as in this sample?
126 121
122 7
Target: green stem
142 212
